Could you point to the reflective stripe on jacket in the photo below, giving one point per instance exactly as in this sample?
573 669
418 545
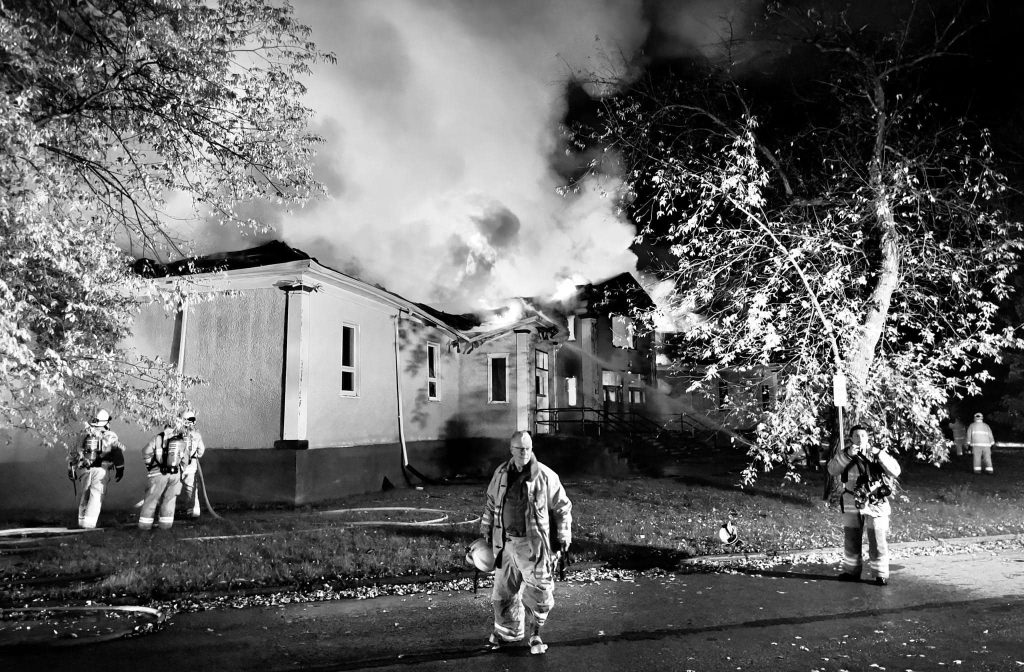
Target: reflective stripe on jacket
546 499
980 434
838 464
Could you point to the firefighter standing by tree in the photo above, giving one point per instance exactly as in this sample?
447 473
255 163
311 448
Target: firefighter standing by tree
524 499
96 452
163 456
194 449
868 474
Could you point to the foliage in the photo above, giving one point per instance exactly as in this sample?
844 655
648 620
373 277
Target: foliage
840 219
116 118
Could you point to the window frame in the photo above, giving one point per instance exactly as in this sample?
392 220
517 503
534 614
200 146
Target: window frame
353 367
433 364
542 374
491 357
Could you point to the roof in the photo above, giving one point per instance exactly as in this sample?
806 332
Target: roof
274 252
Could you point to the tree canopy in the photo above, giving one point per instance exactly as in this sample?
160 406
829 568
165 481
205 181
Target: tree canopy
831 215
119 118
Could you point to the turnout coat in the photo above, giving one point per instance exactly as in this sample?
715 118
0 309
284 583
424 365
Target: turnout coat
548 512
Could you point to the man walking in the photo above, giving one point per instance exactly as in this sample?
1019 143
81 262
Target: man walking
526 512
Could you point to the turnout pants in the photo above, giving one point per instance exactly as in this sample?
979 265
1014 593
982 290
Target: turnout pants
161 491
983 459
521 581
94 484
877 528
188 488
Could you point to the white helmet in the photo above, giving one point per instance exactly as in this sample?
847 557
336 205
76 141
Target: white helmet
727 533
480 555
101 419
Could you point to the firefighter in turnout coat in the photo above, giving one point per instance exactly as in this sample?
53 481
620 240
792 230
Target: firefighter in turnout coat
868 474
980 439
164 456
90 460
526 513
194 449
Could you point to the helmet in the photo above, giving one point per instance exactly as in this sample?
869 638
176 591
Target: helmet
727 533
101 419
187 416
480 555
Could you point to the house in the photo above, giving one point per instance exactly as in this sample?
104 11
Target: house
320 385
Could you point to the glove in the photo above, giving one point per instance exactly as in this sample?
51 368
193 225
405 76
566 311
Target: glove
118 474
564 547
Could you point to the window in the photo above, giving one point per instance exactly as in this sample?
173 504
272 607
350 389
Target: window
497 379
611 381
349 345
636 396
622 331
570 391
541 376
432 360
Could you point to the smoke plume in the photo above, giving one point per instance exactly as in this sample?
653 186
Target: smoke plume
441 122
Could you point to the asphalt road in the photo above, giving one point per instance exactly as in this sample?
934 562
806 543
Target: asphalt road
960 611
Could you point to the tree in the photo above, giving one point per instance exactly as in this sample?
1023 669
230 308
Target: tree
838 219
111 109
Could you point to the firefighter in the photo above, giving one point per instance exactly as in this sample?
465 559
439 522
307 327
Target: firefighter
980 440
526 512
194 449
163 456
90 460
868 473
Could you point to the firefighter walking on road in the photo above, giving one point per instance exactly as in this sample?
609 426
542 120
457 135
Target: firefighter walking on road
90 460
526 513
194 450
163 456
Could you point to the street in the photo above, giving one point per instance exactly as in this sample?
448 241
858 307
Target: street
959 610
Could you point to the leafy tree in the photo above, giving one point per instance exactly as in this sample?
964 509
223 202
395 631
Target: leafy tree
839 219
109 111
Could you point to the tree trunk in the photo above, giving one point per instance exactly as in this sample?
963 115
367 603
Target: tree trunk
863 351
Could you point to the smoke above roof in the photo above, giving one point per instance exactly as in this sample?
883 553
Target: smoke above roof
442 127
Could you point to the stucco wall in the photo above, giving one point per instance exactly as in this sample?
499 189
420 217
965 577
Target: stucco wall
479 417
236 343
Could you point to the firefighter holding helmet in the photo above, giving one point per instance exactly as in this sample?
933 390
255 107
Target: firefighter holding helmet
527 521
90 460
164 456
194 450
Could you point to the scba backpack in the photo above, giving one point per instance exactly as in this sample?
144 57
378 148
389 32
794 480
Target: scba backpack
89 452
173 452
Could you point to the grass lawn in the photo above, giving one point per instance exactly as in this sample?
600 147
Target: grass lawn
634 522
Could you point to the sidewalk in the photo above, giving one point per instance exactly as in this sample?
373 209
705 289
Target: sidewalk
435 628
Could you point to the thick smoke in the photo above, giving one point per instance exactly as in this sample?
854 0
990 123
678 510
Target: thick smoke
442 121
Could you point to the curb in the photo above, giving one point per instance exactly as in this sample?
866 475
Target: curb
734 557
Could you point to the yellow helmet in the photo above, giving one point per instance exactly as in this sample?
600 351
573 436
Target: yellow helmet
480 555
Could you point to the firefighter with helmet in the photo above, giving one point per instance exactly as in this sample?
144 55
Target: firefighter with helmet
527 521
194 449
164 456
90 460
